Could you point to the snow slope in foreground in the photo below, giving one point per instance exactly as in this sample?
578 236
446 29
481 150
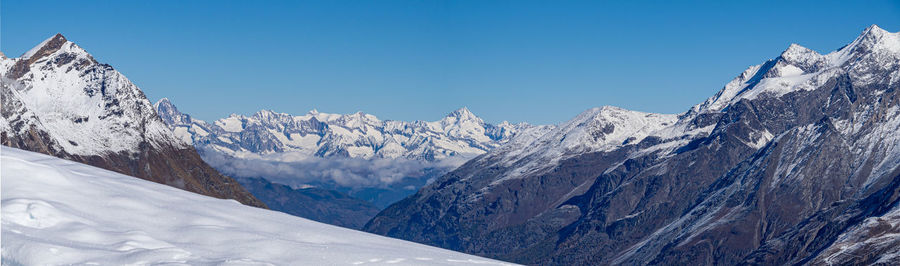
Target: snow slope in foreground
56 211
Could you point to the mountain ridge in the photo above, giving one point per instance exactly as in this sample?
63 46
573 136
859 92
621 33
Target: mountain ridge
356 135
730 181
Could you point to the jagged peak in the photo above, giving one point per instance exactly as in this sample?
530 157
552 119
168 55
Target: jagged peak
875 30
882 37
463 114
872 38
797 52
49 47
801 57
871 34
167 111
267 113
46 47
164 102
164 105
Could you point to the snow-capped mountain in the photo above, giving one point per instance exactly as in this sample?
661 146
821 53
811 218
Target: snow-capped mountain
795 161
86 108
279 136
59 212
58 100
377 161
595 130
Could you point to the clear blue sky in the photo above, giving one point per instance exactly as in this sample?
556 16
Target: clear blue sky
539 62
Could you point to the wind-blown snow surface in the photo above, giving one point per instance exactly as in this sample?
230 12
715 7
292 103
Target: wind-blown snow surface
56 211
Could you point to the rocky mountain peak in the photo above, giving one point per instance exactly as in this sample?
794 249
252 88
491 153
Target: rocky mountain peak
796 52
873 39
47 47
266 114
76 98
875 33
169 113
70 106
165 104
790 71
882 38
461 115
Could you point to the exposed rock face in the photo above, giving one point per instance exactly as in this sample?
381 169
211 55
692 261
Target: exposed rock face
797 160
323 205
58 100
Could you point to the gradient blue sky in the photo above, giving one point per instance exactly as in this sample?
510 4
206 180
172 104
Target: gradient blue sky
533 61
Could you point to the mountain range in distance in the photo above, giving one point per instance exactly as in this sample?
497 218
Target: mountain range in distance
366 162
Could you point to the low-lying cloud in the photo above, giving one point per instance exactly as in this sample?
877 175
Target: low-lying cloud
343 172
